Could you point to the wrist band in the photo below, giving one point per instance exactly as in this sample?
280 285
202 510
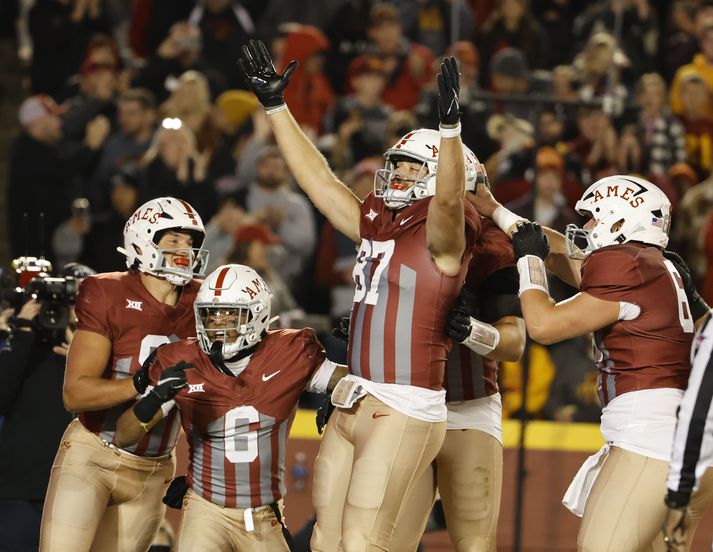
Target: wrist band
449 132
483 338
504 218
276 109
532 274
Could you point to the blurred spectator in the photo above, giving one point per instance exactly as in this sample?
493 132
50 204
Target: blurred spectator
512 25
253 243
136 122
177 53
475 110
172 167
697 122
233 110
289 214
682 178
407 65
596 144
508 165
679 44
692 212
61 31
335 253
225 25
318 13
702 66
359 119
546 205
629 157
399 123
429 22
705 242
68 238
639 26
102 54
662 134
510 74
556 17
39 180
310 95
151 21
220 232
599 67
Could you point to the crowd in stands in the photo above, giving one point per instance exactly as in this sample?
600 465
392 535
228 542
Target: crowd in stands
133 100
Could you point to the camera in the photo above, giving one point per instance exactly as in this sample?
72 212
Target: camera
55 295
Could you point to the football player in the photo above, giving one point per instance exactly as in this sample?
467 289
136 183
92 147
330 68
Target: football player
633 299
101 496
467 472
237 388
415 235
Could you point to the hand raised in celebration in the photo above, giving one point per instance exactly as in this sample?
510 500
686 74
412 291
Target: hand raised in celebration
448 90
260 75
528 239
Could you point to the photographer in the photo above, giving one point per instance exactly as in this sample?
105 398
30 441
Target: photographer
31 377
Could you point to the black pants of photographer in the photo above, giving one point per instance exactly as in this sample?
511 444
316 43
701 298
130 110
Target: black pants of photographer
20 525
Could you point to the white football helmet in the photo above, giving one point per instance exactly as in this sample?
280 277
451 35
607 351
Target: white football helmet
624 208
240 293
144 229
420 146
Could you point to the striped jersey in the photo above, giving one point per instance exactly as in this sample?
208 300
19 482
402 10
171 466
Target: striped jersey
237 427
119 307
401 298
652 351
468 375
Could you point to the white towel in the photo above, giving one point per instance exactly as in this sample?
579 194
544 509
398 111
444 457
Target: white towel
575 498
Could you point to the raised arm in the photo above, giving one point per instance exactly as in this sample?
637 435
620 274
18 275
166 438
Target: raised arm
445 225
309 167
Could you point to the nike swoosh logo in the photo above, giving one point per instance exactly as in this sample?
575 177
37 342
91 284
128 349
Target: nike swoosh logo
405 220
265 378
376 415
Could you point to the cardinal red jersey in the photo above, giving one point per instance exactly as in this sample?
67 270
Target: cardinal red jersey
401 301
652 351
119 307
237 427
469 375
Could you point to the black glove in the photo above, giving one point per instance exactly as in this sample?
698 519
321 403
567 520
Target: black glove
175 492
141 377
458 324
260 75
697 304
341 330
528 239
448 90
172 380
323 413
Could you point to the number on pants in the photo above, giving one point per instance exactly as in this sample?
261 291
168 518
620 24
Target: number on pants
240 442
684 311
379 253
149 343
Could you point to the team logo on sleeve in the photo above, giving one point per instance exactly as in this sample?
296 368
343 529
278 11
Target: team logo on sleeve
196 387
136 305
371 215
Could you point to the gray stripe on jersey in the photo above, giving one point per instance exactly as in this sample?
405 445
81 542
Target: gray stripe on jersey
197 461
281 443
404 320
122 371
217 461
359 329
611 386
123 368
156 438
264 448
242 469
376 328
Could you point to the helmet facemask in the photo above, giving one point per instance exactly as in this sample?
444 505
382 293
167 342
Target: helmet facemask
237 327
185 263
400 189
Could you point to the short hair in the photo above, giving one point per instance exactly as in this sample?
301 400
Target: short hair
268 151
143 97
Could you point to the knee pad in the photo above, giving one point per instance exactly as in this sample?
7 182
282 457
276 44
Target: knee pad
368 483
324 473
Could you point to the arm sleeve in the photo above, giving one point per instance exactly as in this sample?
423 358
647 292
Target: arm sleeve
91 308
610 276
693 441
14 361
320 379
313 358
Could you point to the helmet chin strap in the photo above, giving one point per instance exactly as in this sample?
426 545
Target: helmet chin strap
216 356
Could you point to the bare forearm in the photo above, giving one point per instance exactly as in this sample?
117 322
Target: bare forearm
129 430
311 170
450 178
559 262
86 393
538 310
511 343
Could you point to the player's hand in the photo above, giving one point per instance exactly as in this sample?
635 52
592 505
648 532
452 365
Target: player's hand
458 325
698 305
175 492
260 75
172 380
448 90
141 377
341 330
675 529
528 239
